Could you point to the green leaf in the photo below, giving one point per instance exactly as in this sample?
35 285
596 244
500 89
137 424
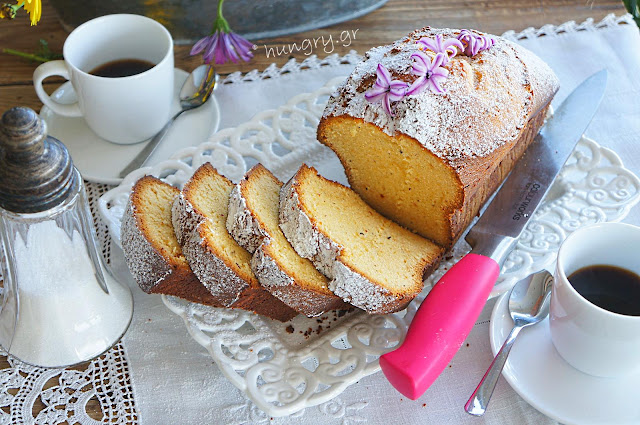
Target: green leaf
43 54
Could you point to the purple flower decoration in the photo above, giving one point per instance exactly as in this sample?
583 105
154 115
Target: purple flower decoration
475 43
223 47
430 73
448 47
386 90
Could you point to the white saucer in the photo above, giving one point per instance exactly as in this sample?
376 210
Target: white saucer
101 161
536 371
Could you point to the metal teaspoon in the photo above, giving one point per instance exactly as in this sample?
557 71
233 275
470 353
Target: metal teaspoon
188 101
528 305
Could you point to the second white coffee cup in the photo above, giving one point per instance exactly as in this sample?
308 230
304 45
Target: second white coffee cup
122 110
594 340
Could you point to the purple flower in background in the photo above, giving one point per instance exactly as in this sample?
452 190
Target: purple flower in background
223 45
430 73
475 43
385 90
448 47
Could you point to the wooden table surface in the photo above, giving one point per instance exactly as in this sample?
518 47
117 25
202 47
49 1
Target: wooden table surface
395 19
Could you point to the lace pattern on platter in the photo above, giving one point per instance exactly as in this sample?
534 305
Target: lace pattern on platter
282 375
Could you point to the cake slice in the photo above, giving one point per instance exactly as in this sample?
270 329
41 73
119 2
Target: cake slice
199 215
431 159
150 247
372 262
253 222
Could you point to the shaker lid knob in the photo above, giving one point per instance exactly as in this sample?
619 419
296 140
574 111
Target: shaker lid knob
36 170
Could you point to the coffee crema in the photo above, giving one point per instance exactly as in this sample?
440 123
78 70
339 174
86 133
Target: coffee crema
122 68
609 287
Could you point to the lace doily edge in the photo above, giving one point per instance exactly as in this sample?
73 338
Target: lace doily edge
292 66
609 21
352 58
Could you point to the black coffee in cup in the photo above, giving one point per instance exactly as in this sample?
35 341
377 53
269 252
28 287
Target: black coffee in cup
122 68
609 287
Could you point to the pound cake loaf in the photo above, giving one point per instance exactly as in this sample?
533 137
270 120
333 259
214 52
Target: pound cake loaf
199 216
151 249
427 127
253 222
373 263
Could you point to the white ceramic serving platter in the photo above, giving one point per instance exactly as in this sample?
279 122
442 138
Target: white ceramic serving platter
284 368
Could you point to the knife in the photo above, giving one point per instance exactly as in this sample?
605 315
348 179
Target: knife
448 313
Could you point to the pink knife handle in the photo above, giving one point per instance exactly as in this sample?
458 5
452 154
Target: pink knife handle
441 325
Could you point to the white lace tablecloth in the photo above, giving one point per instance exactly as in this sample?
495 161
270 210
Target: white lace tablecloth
159 375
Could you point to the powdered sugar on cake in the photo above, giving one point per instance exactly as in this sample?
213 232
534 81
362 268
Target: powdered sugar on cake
487 98
145 263
241 224
215 275
184 218
244 224
360 292
269 273
283 286
307 241
223 283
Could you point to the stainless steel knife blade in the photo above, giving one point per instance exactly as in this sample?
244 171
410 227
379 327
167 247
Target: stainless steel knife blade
524 189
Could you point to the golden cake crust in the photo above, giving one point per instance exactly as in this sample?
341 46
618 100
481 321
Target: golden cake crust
311 238
488 98
156 267
493 105
223 269
250 230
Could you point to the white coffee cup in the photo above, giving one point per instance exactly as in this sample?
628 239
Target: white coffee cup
594 340
122 110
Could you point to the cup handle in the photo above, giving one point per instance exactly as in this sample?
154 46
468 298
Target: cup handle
47 69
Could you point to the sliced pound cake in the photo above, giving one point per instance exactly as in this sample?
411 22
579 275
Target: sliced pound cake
432 158
374 263
253 222
150 247
199 217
